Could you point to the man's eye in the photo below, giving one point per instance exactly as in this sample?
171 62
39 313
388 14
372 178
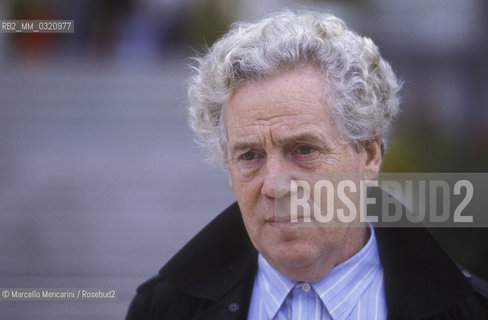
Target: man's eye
250 155
304 150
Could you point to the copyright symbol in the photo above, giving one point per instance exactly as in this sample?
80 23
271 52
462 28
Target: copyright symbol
5 294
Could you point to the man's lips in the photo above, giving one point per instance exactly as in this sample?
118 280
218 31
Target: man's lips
278 219
284 220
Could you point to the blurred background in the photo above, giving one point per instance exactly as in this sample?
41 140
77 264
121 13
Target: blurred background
100 180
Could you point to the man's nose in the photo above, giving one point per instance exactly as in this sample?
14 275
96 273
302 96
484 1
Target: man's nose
276 183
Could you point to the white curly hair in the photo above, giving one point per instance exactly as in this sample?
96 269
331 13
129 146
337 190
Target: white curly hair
364 99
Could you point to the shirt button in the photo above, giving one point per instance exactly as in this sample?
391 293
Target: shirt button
306 287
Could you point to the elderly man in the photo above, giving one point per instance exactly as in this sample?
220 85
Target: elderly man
296 97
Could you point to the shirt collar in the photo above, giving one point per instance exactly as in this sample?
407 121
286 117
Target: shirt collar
276 285
340 290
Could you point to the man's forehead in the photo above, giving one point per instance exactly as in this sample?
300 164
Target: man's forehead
244 131
274 121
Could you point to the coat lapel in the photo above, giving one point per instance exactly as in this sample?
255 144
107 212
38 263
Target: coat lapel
420 279
217 265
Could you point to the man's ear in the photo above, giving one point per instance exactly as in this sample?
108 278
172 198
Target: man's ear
374 157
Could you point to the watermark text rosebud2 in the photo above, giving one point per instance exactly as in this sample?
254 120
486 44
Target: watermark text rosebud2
396 200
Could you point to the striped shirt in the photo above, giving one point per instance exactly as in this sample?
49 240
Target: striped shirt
352 290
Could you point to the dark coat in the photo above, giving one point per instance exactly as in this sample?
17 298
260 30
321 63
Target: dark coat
213 275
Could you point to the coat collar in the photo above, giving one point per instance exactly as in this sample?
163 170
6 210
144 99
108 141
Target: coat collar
420 279
219 257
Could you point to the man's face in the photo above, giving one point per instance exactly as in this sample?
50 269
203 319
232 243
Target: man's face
281 127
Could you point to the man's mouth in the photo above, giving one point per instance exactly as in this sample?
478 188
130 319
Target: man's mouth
285 221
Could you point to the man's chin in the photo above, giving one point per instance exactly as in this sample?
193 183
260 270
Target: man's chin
292 254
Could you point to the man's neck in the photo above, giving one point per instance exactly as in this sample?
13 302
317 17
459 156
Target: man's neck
355 239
